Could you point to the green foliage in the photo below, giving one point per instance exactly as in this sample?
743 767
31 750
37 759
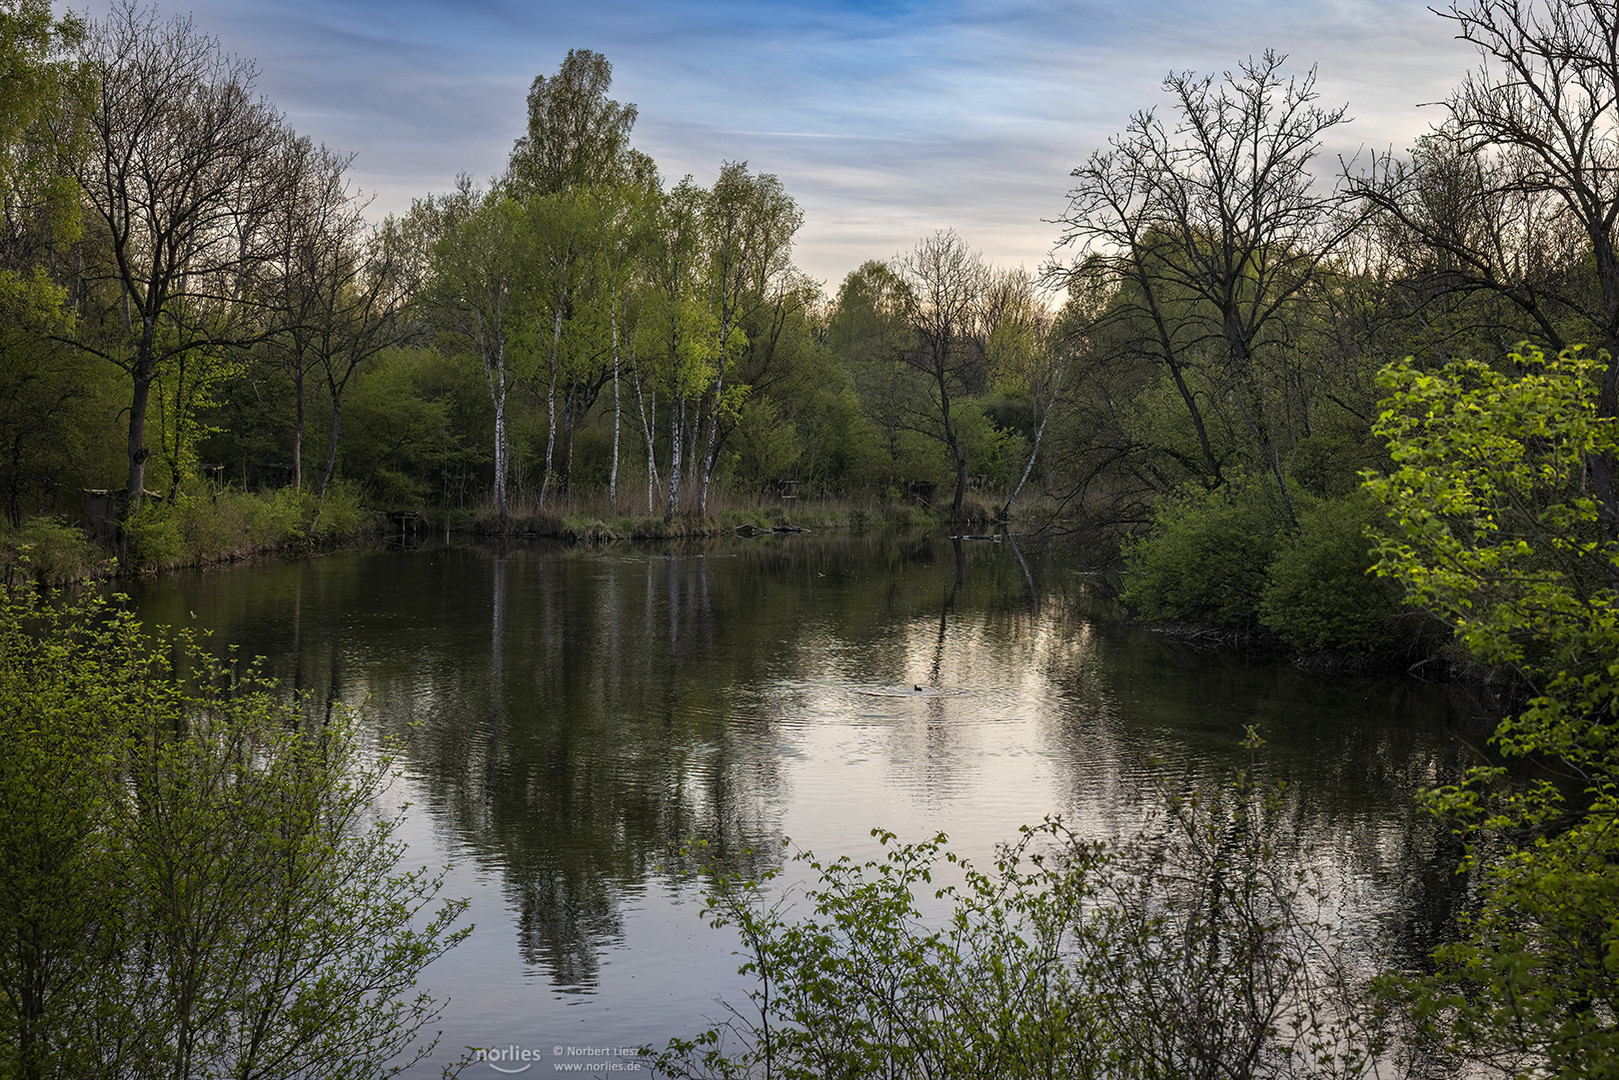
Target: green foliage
49 551
419 429
1497 529
1319 591
192 883
1205 558
1189 949
201 526
767 445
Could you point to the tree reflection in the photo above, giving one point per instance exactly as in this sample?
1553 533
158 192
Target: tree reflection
574 716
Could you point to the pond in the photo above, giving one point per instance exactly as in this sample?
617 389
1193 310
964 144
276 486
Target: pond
570 716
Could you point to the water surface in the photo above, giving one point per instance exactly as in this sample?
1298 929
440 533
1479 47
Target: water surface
571 716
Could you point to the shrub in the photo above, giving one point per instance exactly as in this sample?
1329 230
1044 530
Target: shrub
1205 557
192 883
49 551
1320 593
1192 949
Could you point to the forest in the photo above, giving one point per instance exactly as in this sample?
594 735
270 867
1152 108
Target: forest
209 346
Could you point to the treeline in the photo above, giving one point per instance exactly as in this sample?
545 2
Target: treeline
196 299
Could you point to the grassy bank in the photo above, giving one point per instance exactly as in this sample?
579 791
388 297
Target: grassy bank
200 528
592 518
193 529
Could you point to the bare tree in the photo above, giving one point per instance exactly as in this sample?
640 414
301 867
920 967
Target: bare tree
181 179
311 230
946 282
1222 230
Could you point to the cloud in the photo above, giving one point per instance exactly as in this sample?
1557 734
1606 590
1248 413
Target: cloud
885 120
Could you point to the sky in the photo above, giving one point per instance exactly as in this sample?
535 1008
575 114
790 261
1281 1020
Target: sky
886 120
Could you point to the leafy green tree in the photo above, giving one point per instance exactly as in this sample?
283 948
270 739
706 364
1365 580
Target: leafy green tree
678 337
1497 528
42 94
868 331
751 221
193 879
481 295
577 135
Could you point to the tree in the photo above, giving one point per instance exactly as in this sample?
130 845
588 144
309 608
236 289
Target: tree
577 135
480 293
751 221
194 880
42 93
181 180
561 229
1538 121
678 335
945 283
1219 227
314 230
1497 529
1025 358
625 213
869 332
361 314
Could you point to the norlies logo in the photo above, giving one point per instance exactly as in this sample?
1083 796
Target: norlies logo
581 1059
510 1059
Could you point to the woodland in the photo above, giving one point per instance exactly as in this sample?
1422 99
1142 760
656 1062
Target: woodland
206 330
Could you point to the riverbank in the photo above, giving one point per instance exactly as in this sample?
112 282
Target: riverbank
189 530
212 528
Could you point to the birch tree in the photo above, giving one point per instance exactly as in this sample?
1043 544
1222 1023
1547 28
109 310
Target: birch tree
480 294
945 282
751 221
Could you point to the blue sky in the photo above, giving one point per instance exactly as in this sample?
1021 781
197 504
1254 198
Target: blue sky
885 120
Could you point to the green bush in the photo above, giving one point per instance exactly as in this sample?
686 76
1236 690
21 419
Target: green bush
152 537
1320 593
1191 949
1204 560
49 551
201 526
191 884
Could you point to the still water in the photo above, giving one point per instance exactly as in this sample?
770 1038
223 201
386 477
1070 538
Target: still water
569 717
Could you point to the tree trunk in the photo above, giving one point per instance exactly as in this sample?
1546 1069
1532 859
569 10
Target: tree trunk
649 427
139 401
1034 452
677 436
298 425
618 413
331 448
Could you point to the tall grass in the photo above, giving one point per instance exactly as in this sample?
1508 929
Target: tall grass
200 527
49 551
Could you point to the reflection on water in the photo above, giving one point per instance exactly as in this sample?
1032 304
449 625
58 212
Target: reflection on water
570 717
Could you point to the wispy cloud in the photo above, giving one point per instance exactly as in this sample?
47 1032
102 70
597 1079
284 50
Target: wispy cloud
885 120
